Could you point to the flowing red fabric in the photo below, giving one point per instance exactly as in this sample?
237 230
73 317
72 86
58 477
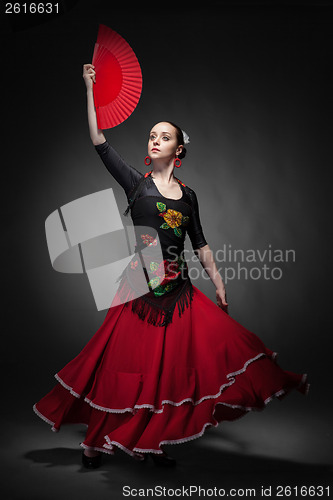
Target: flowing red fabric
137 386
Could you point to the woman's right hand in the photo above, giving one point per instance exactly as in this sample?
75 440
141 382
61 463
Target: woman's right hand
89 75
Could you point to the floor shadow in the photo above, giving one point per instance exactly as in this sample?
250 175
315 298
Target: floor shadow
54 457
197 464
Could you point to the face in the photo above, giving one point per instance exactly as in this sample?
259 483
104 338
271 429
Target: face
162 142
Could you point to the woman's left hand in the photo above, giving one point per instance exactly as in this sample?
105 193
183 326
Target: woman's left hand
221 299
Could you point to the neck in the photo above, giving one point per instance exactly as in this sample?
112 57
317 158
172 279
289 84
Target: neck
163 171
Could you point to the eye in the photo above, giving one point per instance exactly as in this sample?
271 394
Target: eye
152 137
165 138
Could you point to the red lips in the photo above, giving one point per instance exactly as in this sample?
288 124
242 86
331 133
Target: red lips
155 149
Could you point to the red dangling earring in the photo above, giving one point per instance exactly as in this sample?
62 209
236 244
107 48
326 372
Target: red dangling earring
147 160
179 164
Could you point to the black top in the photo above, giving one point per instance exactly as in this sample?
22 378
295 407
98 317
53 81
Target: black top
170 218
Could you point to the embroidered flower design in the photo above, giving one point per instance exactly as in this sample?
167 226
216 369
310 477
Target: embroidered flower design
164 272
173 219
153 266
154 282
161 290
165 275
148 240
134 264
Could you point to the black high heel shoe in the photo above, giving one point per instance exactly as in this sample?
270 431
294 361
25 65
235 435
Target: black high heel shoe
91 462
163 460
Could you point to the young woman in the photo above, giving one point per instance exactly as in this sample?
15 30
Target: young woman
167 362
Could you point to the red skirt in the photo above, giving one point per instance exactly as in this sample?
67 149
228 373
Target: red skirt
138 386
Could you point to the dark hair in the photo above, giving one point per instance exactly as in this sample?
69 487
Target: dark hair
180 139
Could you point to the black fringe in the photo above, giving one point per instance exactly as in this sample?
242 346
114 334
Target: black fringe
155 314
185 299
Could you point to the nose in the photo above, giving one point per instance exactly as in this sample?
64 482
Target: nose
155 141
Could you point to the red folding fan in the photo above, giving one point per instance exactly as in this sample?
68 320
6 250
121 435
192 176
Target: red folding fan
118 78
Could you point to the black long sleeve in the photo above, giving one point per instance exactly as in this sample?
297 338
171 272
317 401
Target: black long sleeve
126 175
194 229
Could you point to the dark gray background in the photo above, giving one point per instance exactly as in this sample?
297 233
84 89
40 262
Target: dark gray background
251 83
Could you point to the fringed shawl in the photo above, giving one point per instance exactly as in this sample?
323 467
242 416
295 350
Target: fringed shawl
171 287
157 310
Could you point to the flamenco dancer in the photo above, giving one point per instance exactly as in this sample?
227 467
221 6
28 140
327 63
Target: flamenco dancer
166 365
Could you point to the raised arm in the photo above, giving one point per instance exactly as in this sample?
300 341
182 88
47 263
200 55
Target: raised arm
89 76
126 175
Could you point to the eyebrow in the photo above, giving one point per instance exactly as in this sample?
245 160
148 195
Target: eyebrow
153 132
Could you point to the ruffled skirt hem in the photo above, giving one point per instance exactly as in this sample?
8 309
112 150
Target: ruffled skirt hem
217 410
138 387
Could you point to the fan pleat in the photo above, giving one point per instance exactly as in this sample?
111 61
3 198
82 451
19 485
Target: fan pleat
129 94
122 113
118 112
131 85
125 104
122 106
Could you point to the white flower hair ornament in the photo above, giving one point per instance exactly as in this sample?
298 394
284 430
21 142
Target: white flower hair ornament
186 138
